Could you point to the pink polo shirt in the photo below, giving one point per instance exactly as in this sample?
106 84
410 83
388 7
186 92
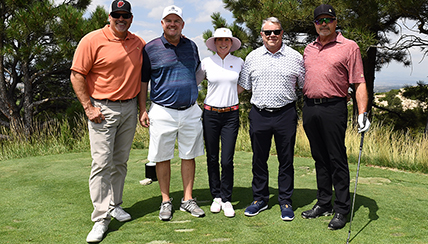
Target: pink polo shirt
332 67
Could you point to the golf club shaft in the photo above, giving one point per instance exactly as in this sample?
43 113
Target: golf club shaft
355 188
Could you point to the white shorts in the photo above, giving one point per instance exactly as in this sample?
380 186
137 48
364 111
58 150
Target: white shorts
167 125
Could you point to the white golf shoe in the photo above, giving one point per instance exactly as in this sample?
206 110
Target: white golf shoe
216 205
228 209
97 232
120 215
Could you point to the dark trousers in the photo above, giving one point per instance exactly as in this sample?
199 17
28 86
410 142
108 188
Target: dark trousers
282 126
325 126
222 126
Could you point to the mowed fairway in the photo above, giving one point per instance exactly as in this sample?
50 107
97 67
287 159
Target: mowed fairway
46 200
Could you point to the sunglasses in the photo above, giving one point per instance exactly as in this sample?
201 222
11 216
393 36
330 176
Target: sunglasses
269 32
325 20
117 15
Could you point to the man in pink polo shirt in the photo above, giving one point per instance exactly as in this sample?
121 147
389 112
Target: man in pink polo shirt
332 63
106 77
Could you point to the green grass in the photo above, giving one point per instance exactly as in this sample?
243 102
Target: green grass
45 199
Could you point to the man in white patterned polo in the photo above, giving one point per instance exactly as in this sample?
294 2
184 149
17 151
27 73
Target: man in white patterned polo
272 72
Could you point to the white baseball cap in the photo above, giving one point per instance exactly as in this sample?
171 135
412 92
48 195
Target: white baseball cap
223 33
172 10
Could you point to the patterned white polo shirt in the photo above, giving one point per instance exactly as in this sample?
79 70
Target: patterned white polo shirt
273 77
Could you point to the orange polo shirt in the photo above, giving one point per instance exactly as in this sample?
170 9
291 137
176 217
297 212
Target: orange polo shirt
112 66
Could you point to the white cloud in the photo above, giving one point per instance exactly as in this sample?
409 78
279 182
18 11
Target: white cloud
207 9
156 13
147 35
145 24
94 3
203 50
149 4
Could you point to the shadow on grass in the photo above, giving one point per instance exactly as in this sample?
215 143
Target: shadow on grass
242 197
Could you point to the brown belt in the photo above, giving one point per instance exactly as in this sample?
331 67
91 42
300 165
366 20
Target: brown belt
221 110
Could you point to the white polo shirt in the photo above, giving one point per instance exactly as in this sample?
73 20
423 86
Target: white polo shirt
222 76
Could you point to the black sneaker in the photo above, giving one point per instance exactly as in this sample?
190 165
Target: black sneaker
316 212
255 208
338 222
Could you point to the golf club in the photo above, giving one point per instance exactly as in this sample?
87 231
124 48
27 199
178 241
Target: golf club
356 182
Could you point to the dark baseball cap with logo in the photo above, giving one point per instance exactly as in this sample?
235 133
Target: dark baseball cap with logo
324 9
120 5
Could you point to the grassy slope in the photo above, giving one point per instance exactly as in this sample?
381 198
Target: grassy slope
46 200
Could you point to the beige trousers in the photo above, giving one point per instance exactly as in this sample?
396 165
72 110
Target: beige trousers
111 143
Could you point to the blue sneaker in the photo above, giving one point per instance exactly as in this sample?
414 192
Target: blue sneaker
287 213
255 208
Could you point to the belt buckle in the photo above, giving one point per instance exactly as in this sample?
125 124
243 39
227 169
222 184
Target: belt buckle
269 110
318 100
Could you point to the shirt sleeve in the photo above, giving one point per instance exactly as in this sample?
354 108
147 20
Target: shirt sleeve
200 74
83 57
356 70
244 76
301 74
146 67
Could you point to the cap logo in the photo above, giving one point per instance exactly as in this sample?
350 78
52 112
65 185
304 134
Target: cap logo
173 9
120 4
329 10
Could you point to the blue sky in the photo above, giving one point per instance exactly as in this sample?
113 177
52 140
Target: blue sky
196 14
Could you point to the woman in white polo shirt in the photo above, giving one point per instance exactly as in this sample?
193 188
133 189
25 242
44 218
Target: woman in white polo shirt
221 116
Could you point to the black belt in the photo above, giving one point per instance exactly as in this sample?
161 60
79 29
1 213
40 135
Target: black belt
179 108
317 101
117 101
273 110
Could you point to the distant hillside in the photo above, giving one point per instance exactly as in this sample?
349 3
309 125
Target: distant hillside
405 102
381 88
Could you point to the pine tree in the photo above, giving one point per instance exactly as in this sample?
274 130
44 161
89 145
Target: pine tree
37 42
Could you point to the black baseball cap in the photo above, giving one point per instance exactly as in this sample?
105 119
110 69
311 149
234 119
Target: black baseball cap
120 5
324 9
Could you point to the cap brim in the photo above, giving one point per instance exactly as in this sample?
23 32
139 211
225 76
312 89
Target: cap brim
170 14
332 15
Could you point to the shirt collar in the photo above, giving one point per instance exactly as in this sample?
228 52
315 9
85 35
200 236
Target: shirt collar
107 32
165 42
339 39
217 56
280 51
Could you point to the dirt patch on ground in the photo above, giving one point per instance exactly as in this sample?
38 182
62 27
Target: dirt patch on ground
372 181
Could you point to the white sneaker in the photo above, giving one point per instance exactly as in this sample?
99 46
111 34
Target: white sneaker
228 209
97 232
120 214
216 205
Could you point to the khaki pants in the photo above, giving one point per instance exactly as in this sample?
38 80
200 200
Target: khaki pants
111 143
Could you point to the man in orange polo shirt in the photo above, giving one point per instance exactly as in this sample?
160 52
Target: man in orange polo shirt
106 77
